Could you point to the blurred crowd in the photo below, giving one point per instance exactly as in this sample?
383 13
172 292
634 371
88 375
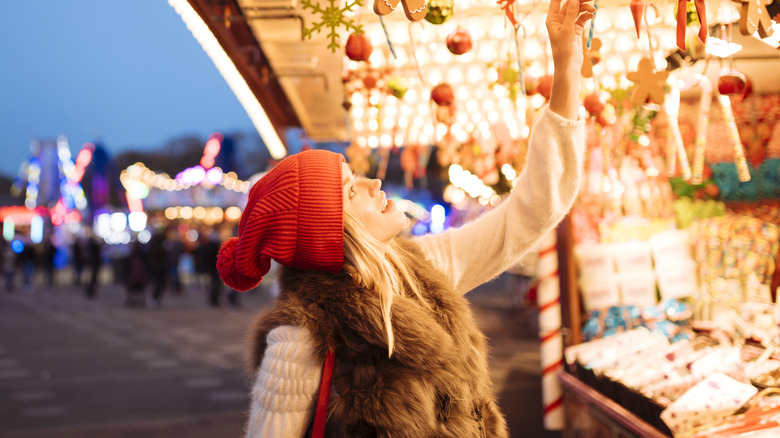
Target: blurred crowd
165 265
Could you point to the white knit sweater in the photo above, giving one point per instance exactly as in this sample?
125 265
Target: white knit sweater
285 390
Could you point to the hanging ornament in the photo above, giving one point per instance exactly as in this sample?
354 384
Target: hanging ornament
682 20
701 128
649 83
732 83
596 107
459 41
531 85
370 82
754 17
507 76
676 148
358 47
439 11
695 47
545 86
637 11
731 128
332 17
397 86
748 90
591 58
414 9
442 94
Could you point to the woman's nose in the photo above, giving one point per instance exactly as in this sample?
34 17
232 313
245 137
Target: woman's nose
374 186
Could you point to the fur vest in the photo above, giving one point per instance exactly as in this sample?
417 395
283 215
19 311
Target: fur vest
436 384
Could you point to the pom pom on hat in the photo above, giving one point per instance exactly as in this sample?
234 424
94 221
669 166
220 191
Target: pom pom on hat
294 215
226 265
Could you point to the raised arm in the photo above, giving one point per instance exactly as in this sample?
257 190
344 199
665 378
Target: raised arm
546 189
565 26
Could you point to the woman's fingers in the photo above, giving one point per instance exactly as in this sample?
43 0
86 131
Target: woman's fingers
553 11
583 18
587 7
572 10
587 11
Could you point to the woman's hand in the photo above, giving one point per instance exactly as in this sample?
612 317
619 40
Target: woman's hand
565 26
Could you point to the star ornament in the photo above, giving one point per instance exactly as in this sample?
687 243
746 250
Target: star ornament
754 17
332 17
649 83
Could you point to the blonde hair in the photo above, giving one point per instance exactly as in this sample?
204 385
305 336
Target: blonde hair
379 267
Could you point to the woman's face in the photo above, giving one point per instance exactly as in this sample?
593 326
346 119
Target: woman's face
370 206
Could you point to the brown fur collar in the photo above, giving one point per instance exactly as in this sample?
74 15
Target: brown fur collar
435 384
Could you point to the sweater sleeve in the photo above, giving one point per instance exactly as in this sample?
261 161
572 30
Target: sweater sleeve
484 248
285 390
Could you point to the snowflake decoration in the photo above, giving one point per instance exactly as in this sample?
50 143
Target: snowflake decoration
333 17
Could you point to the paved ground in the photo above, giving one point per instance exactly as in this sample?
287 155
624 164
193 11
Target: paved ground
70 367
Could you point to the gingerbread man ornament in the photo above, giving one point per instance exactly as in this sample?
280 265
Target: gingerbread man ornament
592 56
415 9
649 83
754 16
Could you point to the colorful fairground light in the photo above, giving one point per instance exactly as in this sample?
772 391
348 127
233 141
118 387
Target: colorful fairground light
50 181
198 197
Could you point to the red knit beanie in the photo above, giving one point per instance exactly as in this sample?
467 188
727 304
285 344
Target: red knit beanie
294 216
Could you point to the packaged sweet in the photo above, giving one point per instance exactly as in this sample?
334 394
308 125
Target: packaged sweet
708 402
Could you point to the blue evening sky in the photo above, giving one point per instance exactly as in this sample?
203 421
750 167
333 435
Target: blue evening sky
125 72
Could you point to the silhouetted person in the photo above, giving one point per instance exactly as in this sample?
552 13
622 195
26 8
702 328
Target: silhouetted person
174 248
25 261
94 262
79 259
207 251
157 267
48 256
136 275
7 264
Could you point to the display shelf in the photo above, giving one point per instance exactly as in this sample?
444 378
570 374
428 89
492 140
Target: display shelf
591 414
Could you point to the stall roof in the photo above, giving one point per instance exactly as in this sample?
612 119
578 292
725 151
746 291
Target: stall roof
299 81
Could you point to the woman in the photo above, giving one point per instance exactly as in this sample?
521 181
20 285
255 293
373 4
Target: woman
409 360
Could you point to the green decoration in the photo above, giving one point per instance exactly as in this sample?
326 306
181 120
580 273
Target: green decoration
508 76
398 86
440 11
333 17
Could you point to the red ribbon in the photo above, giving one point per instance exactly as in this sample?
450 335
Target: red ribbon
681 21
509 8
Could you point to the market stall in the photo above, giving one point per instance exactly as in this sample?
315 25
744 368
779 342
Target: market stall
668 257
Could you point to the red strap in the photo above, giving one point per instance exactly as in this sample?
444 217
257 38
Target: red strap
318 431
681 23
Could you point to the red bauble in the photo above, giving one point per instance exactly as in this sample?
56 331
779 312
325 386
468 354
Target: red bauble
545 86
732 83
593 104
748 90
459 41
358 47
442 94
531 85
370 82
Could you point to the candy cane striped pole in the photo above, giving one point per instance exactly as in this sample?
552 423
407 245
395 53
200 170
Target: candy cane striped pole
548 299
